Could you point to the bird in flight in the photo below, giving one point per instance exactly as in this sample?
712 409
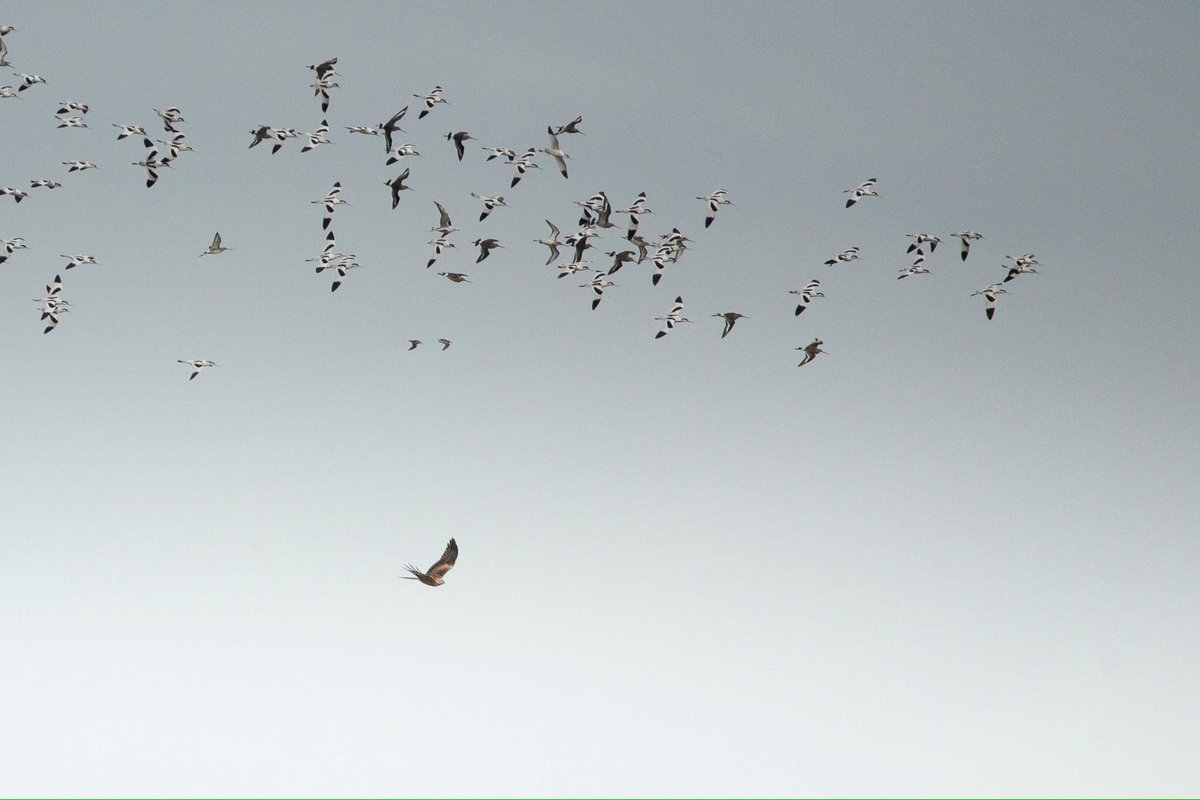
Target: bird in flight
715 201
553 242
966 237
923 238
730 317
844 257
398 186
810 351
811 290
989 294
216 248
432 99
486 246
391 126
413 344
864 189
445 343
555 152
459 139
457 277
489 204
673 318
197 366
570 127
436 575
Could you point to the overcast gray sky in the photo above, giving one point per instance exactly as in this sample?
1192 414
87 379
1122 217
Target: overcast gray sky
950 556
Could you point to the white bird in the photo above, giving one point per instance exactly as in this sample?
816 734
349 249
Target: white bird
730 318
489 204
341 268
216 248
170 116
318 137
79 166
45 183
597 284
439 244
1021 268
197 366
130 130
966 237
522 165
989 294
176 145
810 351
436 575
917 268
810 291
715 201
864 189
152 163
321 88
509 155
673 318
636 209
553 242
281 136
556 153
444 226
16 194
28 80
6 92
397 153
574 268
432 99
923 238
72 105
10 246
71 122
844 257
78 261
331 201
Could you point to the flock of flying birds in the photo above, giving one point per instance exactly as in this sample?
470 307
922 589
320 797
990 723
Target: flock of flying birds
595 215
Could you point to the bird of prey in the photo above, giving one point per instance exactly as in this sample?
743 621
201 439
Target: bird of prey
436 575
216 248
458 139
730 318
865 189
197 366
810 351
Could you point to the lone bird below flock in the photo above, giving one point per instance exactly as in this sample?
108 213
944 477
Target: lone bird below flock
810 351
436 575
197 366
216 248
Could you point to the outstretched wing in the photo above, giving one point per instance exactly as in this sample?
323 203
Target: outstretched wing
446 562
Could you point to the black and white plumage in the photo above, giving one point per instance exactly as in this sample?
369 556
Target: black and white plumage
28 80
522 165
72 106
634 211
990 294
715 201
489 204
79 166
403 151
864 189
597 284
317 138
440 244
920 239
77 261
44 183
10 246
170 116
444 226
152 163
71 122
966 237
673 318
52 304
430 100
324 69
844 257
810 291
330 202
197 366
16 194
436 574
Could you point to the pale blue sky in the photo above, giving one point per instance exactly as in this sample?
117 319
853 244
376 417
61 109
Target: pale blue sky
951 556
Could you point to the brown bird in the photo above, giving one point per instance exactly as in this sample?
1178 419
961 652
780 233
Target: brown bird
458 139
730 318
436 575
486 246
457 277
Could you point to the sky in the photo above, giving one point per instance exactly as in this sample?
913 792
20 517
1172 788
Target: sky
949 556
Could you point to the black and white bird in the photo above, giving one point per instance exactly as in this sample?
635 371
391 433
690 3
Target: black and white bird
844 257
152 163
324 69
810 351
317 138
553 242
864 189
430 100
509 154
10 246
78 166
966 237
673 318
13 192
71 122
730 317
170 116
28 80
1021 267
197 366
635 210
440 244
920 239
522 165
281 136
129 130
715 201
990 294
77 261
810 291
459 140
403 151
321 88
44 183
330 201
216 248
341 268
489 204
72 106
597 284
397 186
436 575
